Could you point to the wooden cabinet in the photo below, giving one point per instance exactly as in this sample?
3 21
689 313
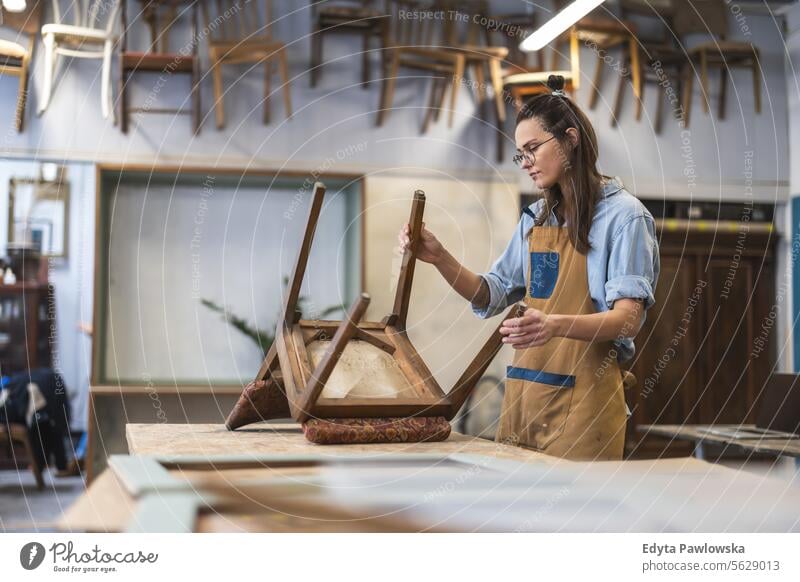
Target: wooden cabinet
707 346
27 324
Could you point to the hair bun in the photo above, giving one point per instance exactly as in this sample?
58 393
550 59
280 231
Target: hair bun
555 83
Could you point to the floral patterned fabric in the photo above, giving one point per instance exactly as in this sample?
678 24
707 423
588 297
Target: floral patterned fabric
260 400
342 431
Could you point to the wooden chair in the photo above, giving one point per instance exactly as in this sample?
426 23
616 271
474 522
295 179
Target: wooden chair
711 17
160 16
11 433
602 33
662 62
385 377
449 45
91 36
354 17
239 34
15 57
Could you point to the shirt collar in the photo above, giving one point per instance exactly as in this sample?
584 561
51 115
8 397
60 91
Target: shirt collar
612 186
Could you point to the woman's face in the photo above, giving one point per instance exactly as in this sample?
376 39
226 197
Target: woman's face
550 159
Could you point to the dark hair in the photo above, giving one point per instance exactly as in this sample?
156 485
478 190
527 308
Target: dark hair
556 113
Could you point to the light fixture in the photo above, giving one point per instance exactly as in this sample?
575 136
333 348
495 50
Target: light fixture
15 5
550 30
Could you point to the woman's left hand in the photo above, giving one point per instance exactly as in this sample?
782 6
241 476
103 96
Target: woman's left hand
534 328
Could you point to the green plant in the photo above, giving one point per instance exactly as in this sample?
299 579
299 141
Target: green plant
261 337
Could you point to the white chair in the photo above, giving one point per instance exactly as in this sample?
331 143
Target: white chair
83 39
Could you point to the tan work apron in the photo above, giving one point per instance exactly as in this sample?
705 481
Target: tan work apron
564 398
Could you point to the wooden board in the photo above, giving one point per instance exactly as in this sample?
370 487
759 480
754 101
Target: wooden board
696 433
287 438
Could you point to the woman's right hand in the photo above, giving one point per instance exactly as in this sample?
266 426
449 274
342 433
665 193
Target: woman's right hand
429 249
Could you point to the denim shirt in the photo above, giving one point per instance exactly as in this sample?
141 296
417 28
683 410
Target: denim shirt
623 261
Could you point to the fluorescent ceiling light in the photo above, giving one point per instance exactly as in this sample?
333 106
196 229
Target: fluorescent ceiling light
14 5
548 32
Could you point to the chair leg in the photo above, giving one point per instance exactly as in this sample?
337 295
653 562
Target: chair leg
704 79
636 75
197 111
723 87
49 68
283 65
662 95
387 93
618 98
105 86
496 76
316 55
596 81
23 436
441 92
432 104
458 75
688 81
267 89
756 81
365 60
219 106
639 103
124 77
22 95
480 89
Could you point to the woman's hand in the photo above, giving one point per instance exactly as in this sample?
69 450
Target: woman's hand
429 249
534 328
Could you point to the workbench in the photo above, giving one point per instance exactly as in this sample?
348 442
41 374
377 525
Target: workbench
106 506
267 477
699 435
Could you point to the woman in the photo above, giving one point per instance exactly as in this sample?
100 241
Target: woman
584 259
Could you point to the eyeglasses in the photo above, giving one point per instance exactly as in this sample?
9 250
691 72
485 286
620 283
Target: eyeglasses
529 154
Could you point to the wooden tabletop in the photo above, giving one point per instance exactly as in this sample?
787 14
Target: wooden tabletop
697 433
270 439
108 506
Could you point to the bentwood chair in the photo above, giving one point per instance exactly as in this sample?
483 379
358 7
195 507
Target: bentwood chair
90 36
711 17
16 55
351 17
161 16
242 34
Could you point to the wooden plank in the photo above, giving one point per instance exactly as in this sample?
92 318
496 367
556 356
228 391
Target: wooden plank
402 296
289 315
288 439
697 433
376 340
289 367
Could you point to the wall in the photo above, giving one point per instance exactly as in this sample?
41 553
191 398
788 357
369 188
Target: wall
339 114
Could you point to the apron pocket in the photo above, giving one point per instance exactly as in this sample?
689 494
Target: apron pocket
545 399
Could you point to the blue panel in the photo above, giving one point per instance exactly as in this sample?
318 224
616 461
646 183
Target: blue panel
544 274
560 380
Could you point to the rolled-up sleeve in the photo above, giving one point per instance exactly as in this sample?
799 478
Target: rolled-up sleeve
633 262
506 278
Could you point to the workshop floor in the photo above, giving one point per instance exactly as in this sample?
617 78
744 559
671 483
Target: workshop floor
23 508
